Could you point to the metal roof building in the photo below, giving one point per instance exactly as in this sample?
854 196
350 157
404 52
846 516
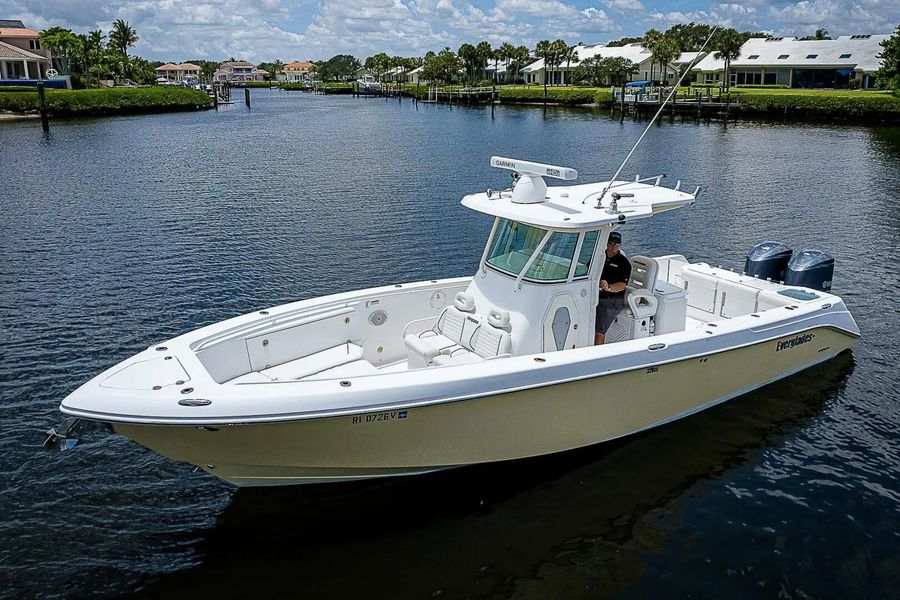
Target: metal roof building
799 63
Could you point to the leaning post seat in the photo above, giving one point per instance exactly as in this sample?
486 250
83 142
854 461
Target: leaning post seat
639 290
490 340
453 324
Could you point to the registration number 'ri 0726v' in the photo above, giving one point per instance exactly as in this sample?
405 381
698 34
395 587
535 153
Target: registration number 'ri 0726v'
379 417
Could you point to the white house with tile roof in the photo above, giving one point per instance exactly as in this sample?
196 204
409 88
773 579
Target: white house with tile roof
799 63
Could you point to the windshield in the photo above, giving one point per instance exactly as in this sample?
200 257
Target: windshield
514 244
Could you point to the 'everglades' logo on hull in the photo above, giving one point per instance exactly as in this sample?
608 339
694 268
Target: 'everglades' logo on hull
793 342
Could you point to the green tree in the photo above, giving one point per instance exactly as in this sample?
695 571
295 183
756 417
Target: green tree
652 39
339 67
483 53
543 50
506 53
598 71
122 37
623 42
558 51
570 56
726 45
521 56
889 73
63 46
821 34
689 37
469 56
442 67
665 53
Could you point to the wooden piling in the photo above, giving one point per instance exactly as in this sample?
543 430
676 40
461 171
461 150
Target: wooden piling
42 107
247 97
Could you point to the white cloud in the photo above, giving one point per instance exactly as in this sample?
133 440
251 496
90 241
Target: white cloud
536 8
294 29
624 5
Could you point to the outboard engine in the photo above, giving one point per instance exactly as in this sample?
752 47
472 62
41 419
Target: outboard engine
811 269
768 260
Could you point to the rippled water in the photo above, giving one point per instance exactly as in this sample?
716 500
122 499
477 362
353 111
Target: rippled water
119 233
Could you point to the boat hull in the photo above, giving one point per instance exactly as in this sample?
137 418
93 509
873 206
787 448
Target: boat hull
505 426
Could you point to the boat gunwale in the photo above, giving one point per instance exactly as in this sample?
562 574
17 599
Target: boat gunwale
276 418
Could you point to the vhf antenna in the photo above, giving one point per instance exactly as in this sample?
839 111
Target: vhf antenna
661 107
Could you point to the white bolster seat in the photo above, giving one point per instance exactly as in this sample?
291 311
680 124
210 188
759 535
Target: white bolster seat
639 289
454 323
490 340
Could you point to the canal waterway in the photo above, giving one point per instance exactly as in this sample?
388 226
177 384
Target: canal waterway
118 233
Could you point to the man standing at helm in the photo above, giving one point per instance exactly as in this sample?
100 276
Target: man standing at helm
613 279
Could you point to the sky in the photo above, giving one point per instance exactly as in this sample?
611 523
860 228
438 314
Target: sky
265 30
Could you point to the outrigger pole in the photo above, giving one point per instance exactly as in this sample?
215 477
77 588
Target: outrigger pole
653 120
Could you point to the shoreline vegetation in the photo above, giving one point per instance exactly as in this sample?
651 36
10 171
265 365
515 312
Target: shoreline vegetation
755 101
105 102
877 105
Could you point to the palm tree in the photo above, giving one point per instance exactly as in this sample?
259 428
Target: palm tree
571 54
469 55
559 50
520 57
665 52
483 53
507 52
727 45
652 39
542 50
62 44
122 37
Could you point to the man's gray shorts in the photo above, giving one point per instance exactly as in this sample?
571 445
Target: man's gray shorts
607 309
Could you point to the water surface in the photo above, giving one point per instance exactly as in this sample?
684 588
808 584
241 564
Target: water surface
119 233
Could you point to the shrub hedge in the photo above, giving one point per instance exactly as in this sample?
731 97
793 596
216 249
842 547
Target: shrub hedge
762 86
71 103
870 106
555 95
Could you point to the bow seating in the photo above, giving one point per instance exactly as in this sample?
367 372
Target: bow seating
455 324
490 340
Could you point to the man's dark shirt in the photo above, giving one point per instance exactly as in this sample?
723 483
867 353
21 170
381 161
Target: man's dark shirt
616 270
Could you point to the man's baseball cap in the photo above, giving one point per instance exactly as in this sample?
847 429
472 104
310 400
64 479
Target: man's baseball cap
615 238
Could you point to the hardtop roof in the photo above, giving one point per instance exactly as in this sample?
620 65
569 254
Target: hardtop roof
575 206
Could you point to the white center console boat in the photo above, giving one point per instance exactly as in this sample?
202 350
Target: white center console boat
424 376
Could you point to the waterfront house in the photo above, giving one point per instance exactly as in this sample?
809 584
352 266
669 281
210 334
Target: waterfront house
22 60
796 63
415 76
180 73
648 70
238 71
298 71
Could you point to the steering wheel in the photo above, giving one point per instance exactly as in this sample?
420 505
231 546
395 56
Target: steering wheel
51 73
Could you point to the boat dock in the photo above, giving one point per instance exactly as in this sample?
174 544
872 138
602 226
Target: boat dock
691 102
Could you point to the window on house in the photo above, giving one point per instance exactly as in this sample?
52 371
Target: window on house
753 57
783 56
846 55
811 55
